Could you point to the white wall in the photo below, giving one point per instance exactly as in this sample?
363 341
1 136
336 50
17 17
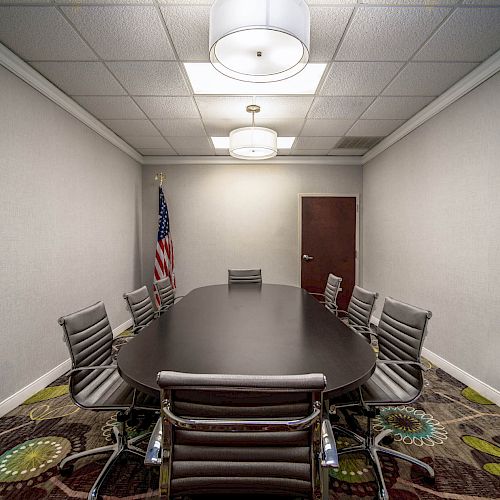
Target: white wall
236 216
431 231
70 229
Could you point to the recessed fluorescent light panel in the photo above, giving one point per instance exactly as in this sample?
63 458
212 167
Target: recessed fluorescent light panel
223 142
207 80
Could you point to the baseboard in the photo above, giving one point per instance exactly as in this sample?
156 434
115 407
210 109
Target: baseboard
23 394
466 378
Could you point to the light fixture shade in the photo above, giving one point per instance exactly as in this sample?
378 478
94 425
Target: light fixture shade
259 40
253 143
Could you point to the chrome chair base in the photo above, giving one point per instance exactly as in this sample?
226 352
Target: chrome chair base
121 446
371 445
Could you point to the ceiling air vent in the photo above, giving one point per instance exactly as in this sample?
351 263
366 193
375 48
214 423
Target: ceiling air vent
358 142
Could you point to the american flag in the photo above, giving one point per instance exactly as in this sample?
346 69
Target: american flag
164 259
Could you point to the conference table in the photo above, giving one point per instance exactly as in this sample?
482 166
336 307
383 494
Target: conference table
248 329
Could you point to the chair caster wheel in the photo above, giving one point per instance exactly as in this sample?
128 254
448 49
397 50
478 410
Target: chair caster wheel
430 480
67 470
388 439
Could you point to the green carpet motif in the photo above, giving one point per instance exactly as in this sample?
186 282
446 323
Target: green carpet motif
450 426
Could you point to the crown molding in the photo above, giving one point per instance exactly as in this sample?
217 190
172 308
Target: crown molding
469 82
24 71
229 160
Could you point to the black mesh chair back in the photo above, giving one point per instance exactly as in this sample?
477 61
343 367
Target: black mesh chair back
166 292
244 276
141 306
331 291
235 434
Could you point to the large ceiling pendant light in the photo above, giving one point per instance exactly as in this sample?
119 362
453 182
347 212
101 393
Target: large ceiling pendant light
253 143
259 40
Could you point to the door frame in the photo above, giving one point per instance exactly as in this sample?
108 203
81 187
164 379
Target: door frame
324 195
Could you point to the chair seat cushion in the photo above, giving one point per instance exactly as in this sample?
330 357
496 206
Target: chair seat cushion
386 385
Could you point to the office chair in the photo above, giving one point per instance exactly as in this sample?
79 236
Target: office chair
95 384
166 292
243 434
244 276
332 289
359 311
397 380
141 306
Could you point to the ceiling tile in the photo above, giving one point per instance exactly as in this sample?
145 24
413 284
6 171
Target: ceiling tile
186 2
482 2
400 108
188 27
315 142
110 107
388 33
132 128
121 32
191 127
339 107
347 152
283 106
427 79
24 30
191 151
157 152
309 152
147 142
327 128
190 142
478 37
222 127
374 128
327 27
150 77
104 2
168 107
359 78
80 78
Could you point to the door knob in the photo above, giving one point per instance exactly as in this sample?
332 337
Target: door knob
307 258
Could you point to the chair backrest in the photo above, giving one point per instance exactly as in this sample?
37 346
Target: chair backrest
244 276
361 306
401 332
165 291
238 434
331 291
141 306
89 338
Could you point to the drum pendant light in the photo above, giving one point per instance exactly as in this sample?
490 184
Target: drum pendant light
259 40
253 143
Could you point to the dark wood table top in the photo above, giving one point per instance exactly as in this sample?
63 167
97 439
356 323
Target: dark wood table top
248 329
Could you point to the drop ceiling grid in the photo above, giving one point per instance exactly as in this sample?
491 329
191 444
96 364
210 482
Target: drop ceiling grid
357 93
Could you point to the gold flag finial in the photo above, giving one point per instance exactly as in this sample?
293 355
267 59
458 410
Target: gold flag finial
160 177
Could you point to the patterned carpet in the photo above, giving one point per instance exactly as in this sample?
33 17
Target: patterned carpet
451 426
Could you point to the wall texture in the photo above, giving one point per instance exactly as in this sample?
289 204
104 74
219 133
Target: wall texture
431 232
70 229
239 216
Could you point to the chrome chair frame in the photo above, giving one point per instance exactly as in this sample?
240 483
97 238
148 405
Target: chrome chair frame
122 443
323 450
371 444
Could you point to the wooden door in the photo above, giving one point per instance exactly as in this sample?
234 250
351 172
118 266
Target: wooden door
329 243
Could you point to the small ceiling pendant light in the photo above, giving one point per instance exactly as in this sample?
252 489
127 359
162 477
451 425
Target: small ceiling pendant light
253 143
259 40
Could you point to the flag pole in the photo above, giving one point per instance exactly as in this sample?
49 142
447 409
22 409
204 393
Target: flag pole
160 177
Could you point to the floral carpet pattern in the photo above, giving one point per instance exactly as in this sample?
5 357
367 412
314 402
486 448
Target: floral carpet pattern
451 427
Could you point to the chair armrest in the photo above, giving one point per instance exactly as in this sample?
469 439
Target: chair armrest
212 424
178 297
329 455
402 362
154 451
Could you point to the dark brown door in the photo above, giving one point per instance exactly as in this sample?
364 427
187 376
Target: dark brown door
329 243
